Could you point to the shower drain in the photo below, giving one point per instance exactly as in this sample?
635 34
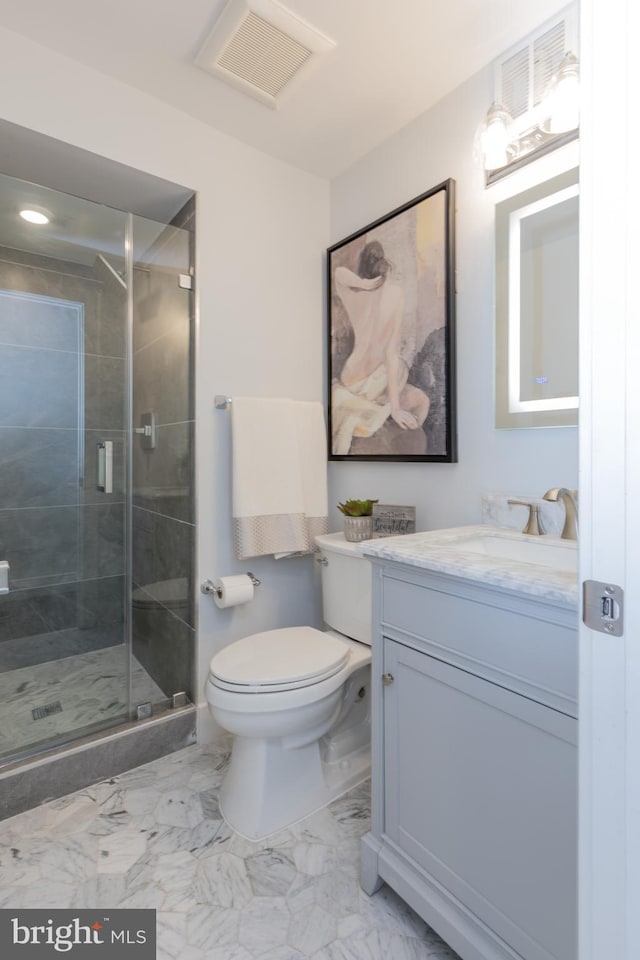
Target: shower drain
39 713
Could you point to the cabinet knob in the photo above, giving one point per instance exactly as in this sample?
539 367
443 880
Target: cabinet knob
387 678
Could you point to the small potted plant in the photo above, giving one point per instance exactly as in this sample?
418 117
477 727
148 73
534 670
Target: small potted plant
358 524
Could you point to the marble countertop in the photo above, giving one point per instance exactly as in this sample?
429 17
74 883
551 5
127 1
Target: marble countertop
443 551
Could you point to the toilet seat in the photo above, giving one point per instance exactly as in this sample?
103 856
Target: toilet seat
278 660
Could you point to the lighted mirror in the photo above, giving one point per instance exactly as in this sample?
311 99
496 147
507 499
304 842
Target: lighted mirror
537 305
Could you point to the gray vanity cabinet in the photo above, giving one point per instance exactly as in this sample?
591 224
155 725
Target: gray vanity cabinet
474 786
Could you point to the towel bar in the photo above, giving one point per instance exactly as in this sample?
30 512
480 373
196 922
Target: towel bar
221 402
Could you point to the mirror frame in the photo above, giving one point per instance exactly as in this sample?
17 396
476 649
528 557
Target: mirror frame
510 412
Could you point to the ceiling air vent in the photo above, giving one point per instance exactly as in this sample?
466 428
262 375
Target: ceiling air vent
523 73
261 48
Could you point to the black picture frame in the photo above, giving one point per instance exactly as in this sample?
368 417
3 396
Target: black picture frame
396 274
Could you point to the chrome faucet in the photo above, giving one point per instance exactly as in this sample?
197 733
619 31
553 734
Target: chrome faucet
570 500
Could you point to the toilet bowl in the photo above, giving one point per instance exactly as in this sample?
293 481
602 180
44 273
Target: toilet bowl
297 701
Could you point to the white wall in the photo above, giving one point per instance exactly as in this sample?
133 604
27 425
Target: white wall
261 230
436 146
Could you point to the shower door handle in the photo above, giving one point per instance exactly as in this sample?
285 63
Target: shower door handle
105 466
4 576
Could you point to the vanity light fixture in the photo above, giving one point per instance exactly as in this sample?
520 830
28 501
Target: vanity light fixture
496 138
504 149
562 102
37 216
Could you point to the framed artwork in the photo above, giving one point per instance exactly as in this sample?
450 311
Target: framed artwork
392 335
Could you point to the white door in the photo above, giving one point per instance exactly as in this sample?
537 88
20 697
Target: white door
609 804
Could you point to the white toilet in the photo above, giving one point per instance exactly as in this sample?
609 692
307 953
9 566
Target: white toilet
297 701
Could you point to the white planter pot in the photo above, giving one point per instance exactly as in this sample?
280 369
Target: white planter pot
358 528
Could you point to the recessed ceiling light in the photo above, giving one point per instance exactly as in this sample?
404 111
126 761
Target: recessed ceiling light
34 216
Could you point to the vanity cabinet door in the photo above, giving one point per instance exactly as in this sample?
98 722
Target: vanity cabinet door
480 792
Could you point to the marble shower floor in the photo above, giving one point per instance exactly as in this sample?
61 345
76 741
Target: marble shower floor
91 688
154 837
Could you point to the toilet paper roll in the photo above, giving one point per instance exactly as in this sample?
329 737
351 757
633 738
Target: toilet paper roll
233 590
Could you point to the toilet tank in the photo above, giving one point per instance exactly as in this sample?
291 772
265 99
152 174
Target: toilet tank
346 587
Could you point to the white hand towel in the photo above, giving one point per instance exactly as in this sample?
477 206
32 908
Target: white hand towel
279 475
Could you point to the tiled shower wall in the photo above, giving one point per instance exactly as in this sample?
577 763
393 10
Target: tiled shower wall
163 477
65 539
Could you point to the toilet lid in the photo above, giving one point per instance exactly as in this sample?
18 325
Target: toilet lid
295 656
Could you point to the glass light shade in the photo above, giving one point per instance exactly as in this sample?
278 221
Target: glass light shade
495 139
561 106
34 216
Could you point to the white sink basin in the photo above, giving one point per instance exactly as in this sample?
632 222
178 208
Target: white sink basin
546 552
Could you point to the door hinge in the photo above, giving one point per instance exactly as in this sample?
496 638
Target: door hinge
603 607
4 576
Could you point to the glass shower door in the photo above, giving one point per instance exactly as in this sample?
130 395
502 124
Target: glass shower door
64 410
163 508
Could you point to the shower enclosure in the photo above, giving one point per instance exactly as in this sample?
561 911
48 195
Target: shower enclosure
96 468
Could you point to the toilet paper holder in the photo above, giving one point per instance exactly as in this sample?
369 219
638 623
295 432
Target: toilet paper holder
209 587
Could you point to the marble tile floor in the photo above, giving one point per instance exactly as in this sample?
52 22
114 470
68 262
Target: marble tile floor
90 687
154 837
